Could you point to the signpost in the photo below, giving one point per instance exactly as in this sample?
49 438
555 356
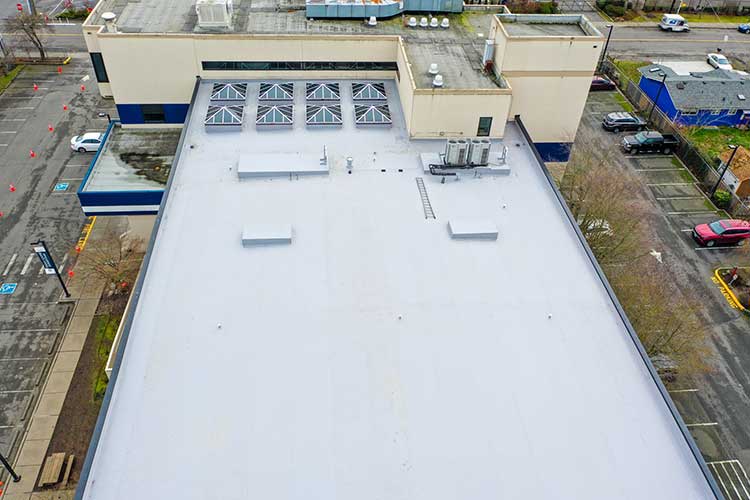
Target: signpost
41 250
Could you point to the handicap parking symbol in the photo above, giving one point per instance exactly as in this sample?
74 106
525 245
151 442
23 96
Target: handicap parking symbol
8 288
62 186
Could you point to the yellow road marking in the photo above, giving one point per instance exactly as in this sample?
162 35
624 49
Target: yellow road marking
86 233
726 291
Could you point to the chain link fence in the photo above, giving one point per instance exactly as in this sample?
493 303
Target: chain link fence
705 170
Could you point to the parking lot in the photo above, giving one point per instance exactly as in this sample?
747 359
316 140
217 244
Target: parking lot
38 201
715 406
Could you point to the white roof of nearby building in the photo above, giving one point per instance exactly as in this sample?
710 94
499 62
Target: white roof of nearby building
372 356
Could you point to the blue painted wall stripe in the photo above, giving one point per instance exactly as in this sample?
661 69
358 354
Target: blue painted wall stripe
132 114
554 151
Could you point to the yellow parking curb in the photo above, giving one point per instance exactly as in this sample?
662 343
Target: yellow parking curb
67 60
728 290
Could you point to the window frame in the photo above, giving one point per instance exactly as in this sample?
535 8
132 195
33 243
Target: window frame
100 69
480 129
152 113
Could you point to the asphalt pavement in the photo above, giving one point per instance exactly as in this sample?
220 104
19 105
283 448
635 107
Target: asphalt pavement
41 204
716 406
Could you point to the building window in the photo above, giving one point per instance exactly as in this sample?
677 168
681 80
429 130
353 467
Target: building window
485 124
99 69
298 66
153 113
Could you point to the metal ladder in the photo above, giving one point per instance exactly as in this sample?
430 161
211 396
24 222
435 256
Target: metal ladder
428 212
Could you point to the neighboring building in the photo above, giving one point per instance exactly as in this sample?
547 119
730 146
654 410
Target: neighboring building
492 67
712 98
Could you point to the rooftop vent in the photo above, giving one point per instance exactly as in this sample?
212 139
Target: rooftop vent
654 70
741 97
437 81
266 234
214 13
434 22
433 69
423 22
445 23
680 85
373 21
412 22
472 229
109 21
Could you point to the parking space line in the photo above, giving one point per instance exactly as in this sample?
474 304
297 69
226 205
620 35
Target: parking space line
658 169
19 108
687 230
71 179
77 166
672 184
62 263
702 424
20 391
12 119
703 212
10 264
714 248
32 330
681 198
20 97
27 264
3 145
677 391
9 132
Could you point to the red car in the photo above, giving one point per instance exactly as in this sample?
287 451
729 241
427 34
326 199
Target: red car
601 82
722 232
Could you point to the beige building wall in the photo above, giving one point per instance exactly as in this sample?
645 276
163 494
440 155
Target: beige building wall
442 113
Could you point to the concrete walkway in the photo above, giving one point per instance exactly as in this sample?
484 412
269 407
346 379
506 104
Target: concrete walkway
85 294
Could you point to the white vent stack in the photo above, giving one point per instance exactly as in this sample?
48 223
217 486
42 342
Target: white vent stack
214 13
741 97
109 21
489 51
373 21
349 163
433 22
479 151
423 22
433 69
455 152
412 22
437 81
445 23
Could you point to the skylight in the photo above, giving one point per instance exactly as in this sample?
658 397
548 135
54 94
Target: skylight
372 114
322 92
369 92
276 115
276 92
229 92
323 114
224 116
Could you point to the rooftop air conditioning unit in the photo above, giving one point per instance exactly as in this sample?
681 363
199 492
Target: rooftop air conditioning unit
479 151
456 152
214 13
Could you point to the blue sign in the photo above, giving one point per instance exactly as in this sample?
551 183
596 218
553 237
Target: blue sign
62 186
8 288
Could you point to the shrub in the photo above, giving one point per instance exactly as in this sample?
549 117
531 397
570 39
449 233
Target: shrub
547 8
722 198
614 10
74 14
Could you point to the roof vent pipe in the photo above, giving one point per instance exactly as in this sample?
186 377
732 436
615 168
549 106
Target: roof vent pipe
373 21
434 22
437 81
412 22
423 22
445 23
349 163
109 21
433 69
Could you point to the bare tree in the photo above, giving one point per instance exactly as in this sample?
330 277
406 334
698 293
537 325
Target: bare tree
604 203
113 258
30 26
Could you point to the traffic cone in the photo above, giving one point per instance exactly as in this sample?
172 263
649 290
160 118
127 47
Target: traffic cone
32 154
50 128
36 87
65 107
12 188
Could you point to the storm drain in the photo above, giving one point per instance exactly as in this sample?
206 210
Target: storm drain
428 212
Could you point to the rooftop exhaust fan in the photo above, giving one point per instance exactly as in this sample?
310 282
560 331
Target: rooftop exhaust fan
433 22
412 22
445 23
373 21
423 22
437 81
433 69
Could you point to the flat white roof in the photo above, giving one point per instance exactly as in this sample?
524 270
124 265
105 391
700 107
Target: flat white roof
375 357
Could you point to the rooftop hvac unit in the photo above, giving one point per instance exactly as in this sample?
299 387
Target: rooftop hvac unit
456 152
214 13
479 152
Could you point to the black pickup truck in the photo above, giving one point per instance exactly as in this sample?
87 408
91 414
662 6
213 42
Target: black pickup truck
649 142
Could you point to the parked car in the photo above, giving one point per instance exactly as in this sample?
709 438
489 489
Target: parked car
722 232
718 61
614 122
87 142
673 22
744 28
649 142
601 82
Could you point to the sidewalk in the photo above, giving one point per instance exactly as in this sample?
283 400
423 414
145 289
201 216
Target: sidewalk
85 293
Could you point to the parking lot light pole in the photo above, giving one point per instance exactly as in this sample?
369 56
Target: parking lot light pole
658 93
606 44
724 171
102 115
10 470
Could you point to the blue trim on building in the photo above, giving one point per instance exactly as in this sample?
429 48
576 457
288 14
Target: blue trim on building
112 214
132 114
554 151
